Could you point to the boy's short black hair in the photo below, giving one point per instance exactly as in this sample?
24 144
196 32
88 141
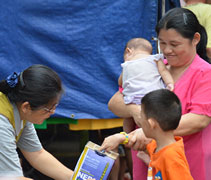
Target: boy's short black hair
164 106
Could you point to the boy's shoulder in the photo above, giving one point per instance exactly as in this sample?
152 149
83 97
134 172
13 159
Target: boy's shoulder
175 149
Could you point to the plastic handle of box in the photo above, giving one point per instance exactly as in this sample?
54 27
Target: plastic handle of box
100 153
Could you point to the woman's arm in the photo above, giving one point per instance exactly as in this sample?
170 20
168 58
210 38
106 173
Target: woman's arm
119 108
48 164
112 142
191 123
15 178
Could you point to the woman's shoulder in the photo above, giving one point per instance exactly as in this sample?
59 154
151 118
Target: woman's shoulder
6 129
198 73
4 122
200 64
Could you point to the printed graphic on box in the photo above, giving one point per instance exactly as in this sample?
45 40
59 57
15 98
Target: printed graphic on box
93 165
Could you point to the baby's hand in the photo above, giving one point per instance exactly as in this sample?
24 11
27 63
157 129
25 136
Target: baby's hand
170 87
112 142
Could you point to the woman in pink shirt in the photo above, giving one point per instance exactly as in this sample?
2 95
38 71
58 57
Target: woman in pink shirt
183 43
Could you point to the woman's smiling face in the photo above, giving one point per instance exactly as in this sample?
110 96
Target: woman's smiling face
178 51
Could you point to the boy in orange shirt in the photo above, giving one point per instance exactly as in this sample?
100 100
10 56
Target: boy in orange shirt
160 116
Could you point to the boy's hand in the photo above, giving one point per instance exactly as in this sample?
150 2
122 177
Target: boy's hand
138 140
112 142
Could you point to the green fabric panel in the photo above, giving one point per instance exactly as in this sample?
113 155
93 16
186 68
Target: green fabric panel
55 121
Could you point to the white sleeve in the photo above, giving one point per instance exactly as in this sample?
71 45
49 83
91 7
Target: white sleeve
157 57
9 159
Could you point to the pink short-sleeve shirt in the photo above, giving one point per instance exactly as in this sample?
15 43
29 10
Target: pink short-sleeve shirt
194 92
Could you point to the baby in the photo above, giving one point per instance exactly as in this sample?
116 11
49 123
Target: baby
141 73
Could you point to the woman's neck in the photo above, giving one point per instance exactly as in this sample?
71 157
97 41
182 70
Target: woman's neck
18 105
177 71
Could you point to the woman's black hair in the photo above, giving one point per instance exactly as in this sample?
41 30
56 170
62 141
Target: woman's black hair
186 23
38 85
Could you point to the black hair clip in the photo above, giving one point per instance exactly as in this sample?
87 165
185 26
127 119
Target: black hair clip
185 18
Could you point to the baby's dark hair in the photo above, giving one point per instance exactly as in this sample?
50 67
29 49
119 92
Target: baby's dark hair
38 85
163 106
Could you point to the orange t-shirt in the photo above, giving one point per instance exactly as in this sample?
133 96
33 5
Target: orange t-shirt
169 163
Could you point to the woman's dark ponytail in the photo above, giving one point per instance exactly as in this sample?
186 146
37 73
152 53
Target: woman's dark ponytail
4 87
201 46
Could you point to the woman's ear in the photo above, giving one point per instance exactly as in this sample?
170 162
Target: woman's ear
25 107
196 38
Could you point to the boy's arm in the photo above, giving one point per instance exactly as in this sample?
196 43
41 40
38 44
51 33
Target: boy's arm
135 139
120 80
165 74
